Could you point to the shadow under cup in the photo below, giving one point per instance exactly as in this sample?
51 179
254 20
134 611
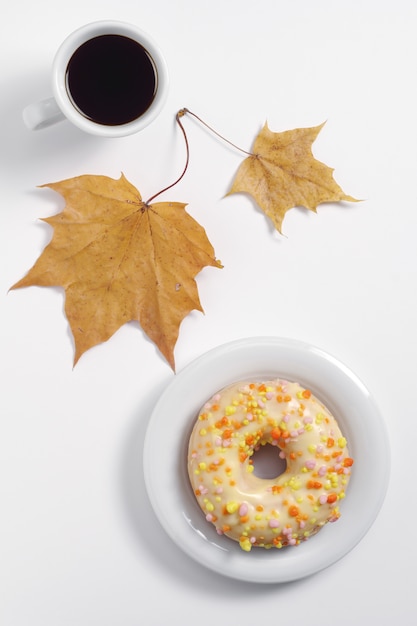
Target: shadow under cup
111 79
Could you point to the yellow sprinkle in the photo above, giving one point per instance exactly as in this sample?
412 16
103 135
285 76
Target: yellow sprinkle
250 468
295 484
203 432
319 418
245 544
230 410
202 466
312 448
232 507
209 506
341 442
258 517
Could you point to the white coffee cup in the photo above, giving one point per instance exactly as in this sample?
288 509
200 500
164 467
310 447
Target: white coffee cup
63 106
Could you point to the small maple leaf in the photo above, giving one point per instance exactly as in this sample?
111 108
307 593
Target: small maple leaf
120 259
282 173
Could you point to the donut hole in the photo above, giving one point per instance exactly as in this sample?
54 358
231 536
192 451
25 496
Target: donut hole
267 463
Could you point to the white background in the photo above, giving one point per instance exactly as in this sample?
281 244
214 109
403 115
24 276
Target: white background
79 542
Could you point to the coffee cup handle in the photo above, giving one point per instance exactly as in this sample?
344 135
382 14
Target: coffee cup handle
42 114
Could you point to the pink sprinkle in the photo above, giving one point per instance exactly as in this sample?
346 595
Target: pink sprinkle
243 509
308 420
320 449
218 441
310 464
249 417
322 470
302 524
286 419
209 517
292 541
252 539
294 433
282 454
273 523
219 490
261 404
323 498
203 490
217 397
269 395
226 443
301 431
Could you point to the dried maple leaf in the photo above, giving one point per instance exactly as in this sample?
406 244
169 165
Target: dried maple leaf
282 173
120 259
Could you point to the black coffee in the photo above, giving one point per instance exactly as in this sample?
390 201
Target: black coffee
111 79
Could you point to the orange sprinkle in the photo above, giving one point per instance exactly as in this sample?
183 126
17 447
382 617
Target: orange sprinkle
225 528
259 507
262 387
306 393
242 457
332 497
244 519
314 484
249 440
330 442
293 511
276 433
215 407
348 462
293 456
279 398
287 398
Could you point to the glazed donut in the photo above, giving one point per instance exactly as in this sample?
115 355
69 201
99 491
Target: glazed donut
264 512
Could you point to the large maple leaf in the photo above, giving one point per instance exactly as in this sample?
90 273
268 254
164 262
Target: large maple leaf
120 259
282 173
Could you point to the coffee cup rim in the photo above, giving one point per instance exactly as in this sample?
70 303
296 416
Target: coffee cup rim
74 41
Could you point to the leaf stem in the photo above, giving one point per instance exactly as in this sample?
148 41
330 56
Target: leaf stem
185 110
187 159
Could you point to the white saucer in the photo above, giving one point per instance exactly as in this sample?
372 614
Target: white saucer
165 456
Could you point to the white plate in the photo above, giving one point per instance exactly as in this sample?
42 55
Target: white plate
165 456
